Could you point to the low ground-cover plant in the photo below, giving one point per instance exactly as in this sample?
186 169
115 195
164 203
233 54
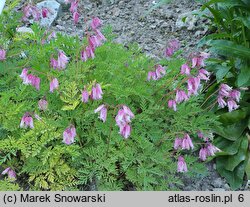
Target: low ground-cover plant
90 114
231 43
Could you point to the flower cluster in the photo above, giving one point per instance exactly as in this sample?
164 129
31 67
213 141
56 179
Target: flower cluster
123 118
181 165
29 79
96 93
228 97
69 135
42 105
74 9
11 173
31 11
2 54
193 82
157 74
207 148
27 121
103 112
94 41
54 84
173 46
61 62
47 38
183 143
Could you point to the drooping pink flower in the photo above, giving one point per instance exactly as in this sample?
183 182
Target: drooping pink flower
53 63
198 61
181 96
27 121
181 165
172 104
203 74
11 173
73 6
187 142
84 55
69 135
222 103
125 130
128 111
173 45
235 94
52 35
185 69
94 42
103 112
224 90
35 81
152 75
42 105
193 85
99 35
204 55
24 75
96 92
177 143
203 154
62 60
169 52
54 84
85 96
76 16
45 12
211 149
200 134
90 52
160 71
31 11
232 105
95 23
2 54
123 118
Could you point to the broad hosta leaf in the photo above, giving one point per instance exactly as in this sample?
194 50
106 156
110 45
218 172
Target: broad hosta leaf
207 39
243 77
248 167
234 160
221 72
235 177
227 147
228 48
233 131
234 116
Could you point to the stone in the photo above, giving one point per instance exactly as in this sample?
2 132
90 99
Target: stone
24 30
217 183
2 3
186 20
65 6
54 10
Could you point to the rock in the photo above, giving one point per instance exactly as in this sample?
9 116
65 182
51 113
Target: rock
186 20
227 187
24 30
218 189
2 3
65 7
116 12
164 25
217 183
54 10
